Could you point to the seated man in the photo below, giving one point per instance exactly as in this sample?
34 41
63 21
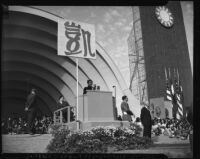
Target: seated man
61 104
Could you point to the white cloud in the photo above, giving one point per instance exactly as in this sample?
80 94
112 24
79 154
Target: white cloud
65 13
119 24
103 44
92 15
130 24
123 20
100 28
127 28
108 17
115 12
111 27
110 40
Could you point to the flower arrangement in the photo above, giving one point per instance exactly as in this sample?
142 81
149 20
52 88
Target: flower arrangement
97 140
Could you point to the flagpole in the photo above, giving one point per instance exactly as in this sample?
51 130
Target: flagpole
178 76
175 74
171 83
77 93
166 74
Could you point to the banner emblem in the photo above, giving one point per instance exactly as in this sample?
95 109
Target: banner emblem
76 39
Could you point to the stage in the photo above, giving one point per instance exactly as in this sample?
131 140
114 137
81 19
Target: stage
25 143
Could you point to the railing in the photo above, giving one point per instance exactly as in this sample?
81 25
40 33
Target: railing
63 115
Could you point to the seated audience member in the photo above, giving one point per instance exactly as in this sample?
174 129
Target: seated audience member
14 126
3 127
138 122
61 102
172 131
156 129
162 126
19 125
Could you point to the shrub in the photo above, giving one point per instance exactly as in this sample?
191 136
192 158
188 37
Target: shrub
136 128
97 140
54 128
57 144
89 146
103 134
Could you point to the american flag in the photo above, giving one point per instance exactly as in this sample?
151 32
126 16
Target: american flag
168 88
178 94
174 93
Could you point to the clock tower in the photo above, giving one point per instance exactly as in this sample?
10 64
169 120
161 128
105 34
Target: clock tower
157 45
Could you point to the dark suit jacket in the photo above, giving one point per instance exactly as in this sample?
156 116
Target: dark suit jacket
145 117
86 88
31 101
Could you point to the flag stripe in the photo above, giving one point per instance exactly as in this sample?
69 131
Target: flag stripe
168 92
180 105
180 113
169 98
178 96
178 92
172 89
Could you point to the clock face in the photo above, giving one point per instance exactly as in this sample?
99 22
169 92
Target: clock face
164 16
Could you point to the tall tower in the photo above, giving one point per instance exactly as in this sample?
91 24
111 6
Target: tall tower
158 41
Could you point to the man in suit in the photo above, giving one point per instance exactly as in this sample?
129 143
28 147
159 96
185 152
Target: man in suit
89 87
31 108
145 117
126 112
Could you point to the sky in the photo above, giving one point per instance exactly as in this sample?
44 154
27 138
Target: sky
113 26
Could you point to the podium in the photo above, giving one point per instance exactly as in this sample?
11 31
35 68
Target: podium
96 106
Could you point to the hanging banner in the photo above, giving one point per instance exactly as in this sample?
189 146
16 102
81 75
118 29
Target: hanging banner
76 39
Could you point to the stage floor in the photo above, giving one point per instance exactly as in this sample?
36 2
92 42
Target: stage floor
37 144
25 143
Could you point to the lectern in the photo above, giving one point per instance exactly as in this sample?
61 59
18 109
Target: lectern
96 106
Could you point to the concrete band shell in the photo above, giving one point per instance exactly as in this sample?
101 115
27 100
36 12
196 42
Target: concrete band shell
32 34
